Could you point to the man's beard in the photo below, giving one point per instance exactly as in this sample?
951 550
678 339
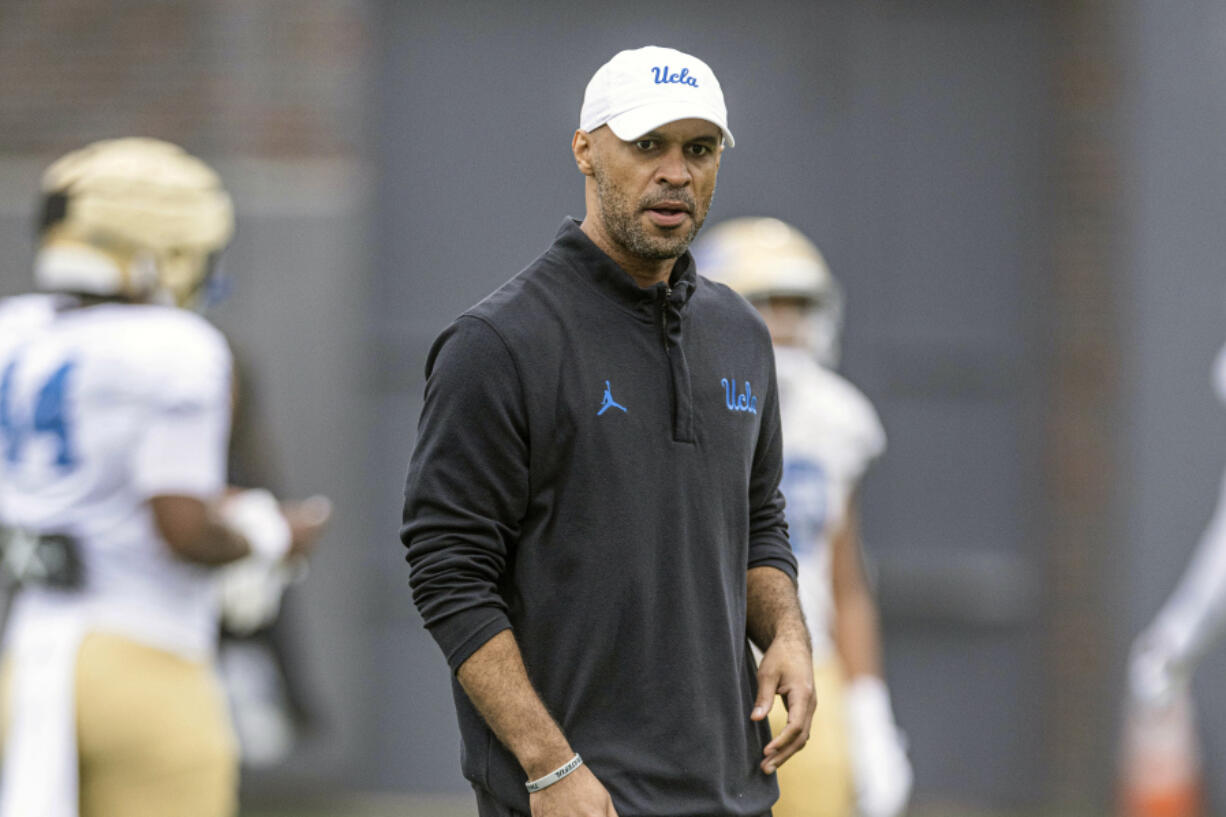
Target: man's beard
626 229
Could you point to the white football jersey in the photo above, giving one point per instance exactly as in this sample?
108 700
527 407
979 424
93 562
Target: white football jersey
102 408
1219 374
830 435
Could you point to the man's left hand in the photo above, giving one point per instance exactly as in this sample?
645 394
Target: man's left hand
786 670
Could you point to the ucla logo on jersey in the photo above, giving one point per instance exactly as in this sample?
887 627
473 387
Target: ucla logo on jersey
664 78
746 401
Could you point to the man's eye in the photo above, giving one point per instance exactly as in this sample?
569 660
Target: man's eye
645 144
700 150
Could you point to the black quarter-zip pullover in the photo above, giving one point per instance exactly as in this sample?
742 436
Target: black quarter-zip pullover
597 467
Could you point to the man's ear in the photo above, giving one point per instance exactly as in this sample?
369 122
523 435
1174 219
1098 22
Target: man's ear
582 145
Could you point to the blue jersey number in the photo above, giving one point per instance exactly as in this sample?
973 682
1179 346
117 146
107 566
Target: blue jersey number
49 416
804 487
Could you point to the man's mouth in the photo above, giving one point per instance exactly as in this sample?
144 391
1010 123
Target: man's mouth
668 213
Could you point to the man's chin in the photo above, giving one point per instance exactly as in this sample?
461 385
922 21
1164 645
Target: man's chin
671 240
644 241
670 251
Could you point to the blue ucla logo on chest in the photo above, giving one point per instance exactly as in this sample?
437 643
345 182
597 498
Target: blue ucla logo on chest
745 401
664 78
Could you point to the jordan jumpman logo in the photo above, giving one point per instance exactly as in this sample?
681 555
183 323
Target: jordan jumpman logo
609 402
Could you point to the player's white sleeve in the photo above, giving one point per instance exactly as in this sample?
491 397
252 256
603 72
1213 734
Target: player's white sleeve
1190 620
1165 653
183 449
1196 611
1219 374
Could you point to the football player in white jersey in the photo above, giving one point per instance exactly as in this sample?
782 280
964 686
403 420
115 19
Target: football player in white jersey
1166 652
855 762
115 411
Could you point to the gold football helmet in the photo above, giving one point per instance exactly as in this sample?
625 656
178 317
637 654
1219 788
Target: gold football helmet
765 258
137 218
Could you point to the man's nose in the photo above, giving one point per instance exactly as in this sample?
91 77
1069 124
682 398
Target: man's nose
673 170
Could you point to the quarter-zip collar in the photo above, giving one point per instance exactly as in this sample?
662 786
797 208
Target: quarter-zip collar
572 246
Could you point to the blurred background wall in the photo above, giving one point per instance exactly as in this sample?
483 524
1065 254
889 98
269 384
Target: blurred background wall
1024 202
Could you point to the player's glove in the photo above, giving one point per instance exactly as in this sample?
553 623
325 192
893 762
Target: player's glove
250 589
257 515
880 768
1156 673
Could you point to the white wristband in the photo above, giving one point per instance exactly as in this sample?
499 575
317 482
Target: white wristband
868 703
256 515
554 776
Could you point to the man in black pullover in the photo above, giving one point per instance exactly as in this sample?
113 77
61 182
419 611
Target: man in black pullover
593 517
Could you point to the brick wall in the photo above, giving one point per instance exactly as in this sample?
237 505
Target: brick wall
278 78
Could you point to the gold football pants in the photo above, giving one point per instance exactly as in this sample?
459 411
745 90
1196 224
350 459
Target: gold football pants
816 781
153 733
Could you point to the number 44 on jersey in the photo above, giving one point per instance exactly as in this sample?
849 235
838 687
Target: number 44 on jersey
46 416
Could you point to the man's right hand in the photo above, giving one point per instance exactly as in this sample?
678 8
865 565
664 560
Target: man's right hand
307 520
579 794
495 680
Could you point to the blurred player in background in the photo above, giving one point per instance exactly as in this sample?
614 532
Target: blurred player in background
855 762
1161 749
1166 652
115 409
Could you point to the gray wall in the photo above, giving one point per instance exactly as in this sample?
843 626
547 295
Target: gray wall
297 319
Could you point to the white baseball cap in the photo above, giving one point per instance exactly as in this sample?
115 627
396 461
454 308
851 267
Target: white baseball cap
643 88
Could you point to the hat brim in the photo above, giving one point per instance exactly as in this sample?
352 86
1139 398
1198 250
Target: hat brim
634 123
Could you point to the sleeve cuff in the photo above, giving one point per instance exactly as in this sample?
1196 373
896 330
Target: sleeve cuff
781 563
462 634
